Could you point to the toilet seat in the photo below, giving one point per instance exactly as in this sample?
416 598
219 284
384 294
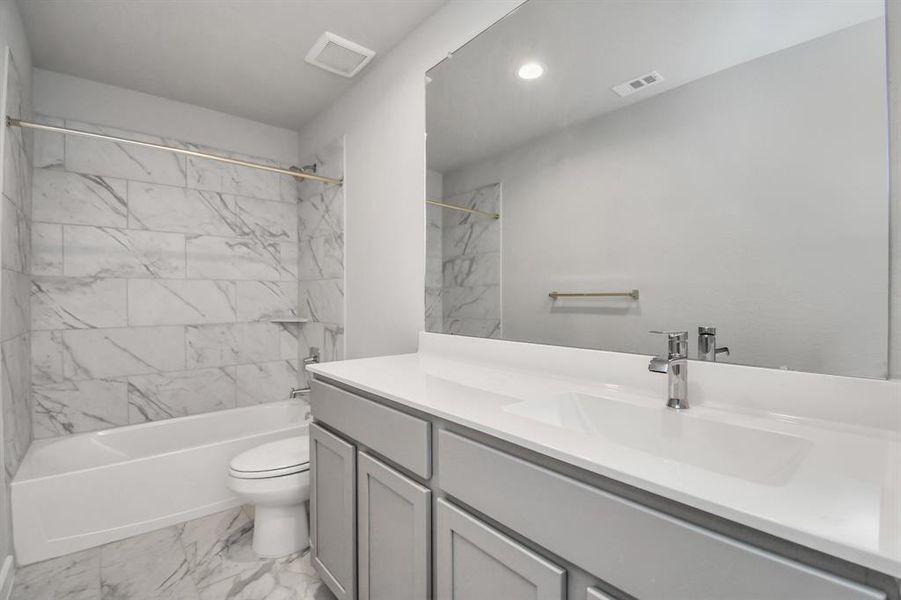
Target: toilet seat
293 470
275 459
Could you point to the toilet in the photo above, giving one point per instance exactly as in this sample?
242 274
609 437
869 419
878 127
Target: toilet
275 479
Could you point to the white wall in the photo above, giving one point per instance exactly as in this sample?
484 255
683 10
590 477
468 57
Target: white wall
893 18
80 99
383 121
726 201
12 34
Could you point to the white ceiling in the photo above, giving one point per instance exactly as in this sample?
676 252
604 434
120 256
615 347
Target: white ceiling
477 107
243 57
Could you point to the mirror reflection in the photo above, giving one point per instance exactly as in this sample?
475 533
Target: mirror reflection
597 170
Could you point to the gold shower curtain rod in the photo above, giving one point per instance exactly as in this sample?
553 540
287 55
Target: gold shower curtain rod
474 211
292 172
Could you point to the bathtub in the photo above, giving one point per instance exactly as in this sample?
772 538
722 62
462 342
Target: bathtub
84 490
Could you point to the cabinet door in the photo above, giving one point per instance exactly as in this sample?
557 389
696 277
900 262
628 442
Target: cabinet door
596 594
394 543
332 510
475 562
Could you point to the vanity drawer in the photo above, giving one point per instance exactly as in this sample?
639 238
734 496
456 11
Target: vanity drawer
641 551
397 436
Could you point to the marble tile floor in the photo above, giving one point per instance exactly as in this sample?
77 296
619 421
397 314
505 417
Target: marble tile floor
206 559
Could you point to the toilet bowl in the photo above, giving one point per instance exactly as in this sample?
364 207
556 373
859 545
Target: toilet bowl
275 479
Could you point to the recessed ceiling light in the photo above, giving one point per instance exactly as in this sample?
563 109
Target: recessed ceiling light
530 70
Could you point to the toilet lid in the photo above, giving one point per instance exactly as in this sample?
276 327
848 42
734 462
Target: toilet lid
283 456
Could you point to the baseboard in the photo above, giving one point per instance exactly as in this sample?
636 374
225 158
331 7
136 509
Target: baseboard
7 572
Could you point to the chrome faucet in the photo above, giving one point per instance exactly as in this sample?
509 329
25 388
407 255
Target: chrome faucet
312 359
707 349
675 365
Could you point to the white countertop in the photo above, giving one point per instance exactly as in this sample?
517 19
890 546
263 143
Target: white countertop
841 495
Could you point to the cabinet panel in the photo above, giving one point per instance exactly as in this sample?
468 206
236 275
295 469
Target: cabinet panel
394 533
476 562
399 437
596 594
332 511
641 551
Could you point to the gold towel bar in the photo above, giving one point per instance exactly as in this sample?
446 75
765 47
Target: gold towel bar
633 294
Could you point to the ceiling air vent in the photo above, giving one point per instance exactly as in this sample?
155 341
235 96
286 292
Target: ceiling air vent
639 83
337 55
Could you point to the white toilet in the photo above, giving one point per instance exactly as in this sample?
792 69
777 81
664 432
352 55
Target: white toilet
275 478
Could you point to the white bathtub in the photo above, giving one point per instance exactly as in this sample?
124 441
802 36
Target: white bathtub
83 490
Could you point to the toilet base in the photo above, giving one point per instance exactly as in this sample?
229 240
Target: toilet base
280 530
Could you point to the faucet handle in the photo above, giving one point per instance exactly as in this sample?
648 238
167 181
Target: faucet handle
681 336
677 343
313 358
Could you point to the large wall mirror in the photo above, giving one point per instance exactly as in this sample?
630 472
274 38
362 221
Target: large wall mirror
717 164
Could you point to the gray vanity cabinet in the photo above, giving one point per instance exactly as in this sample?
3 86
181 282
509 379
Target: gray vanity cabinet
655 557
473 561
405 506
332 511
394 538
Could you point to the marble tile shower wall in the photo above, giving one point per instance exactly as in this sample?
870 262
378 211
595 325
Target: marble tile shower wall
470 296
15 228
434 263
321 269
155 280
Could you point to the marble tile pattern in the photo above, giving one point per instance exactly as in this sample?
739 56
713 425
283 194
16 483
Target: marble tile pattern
15 279
155 281
464 296
15 266
434 262
205 559
71 406
321 257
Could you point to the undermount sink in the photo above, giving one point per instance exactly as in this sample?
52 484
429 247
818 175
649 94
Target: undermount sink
674 436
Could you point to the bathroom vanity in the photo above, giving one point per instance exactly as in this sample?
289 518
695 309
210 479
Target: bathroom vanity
489 469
